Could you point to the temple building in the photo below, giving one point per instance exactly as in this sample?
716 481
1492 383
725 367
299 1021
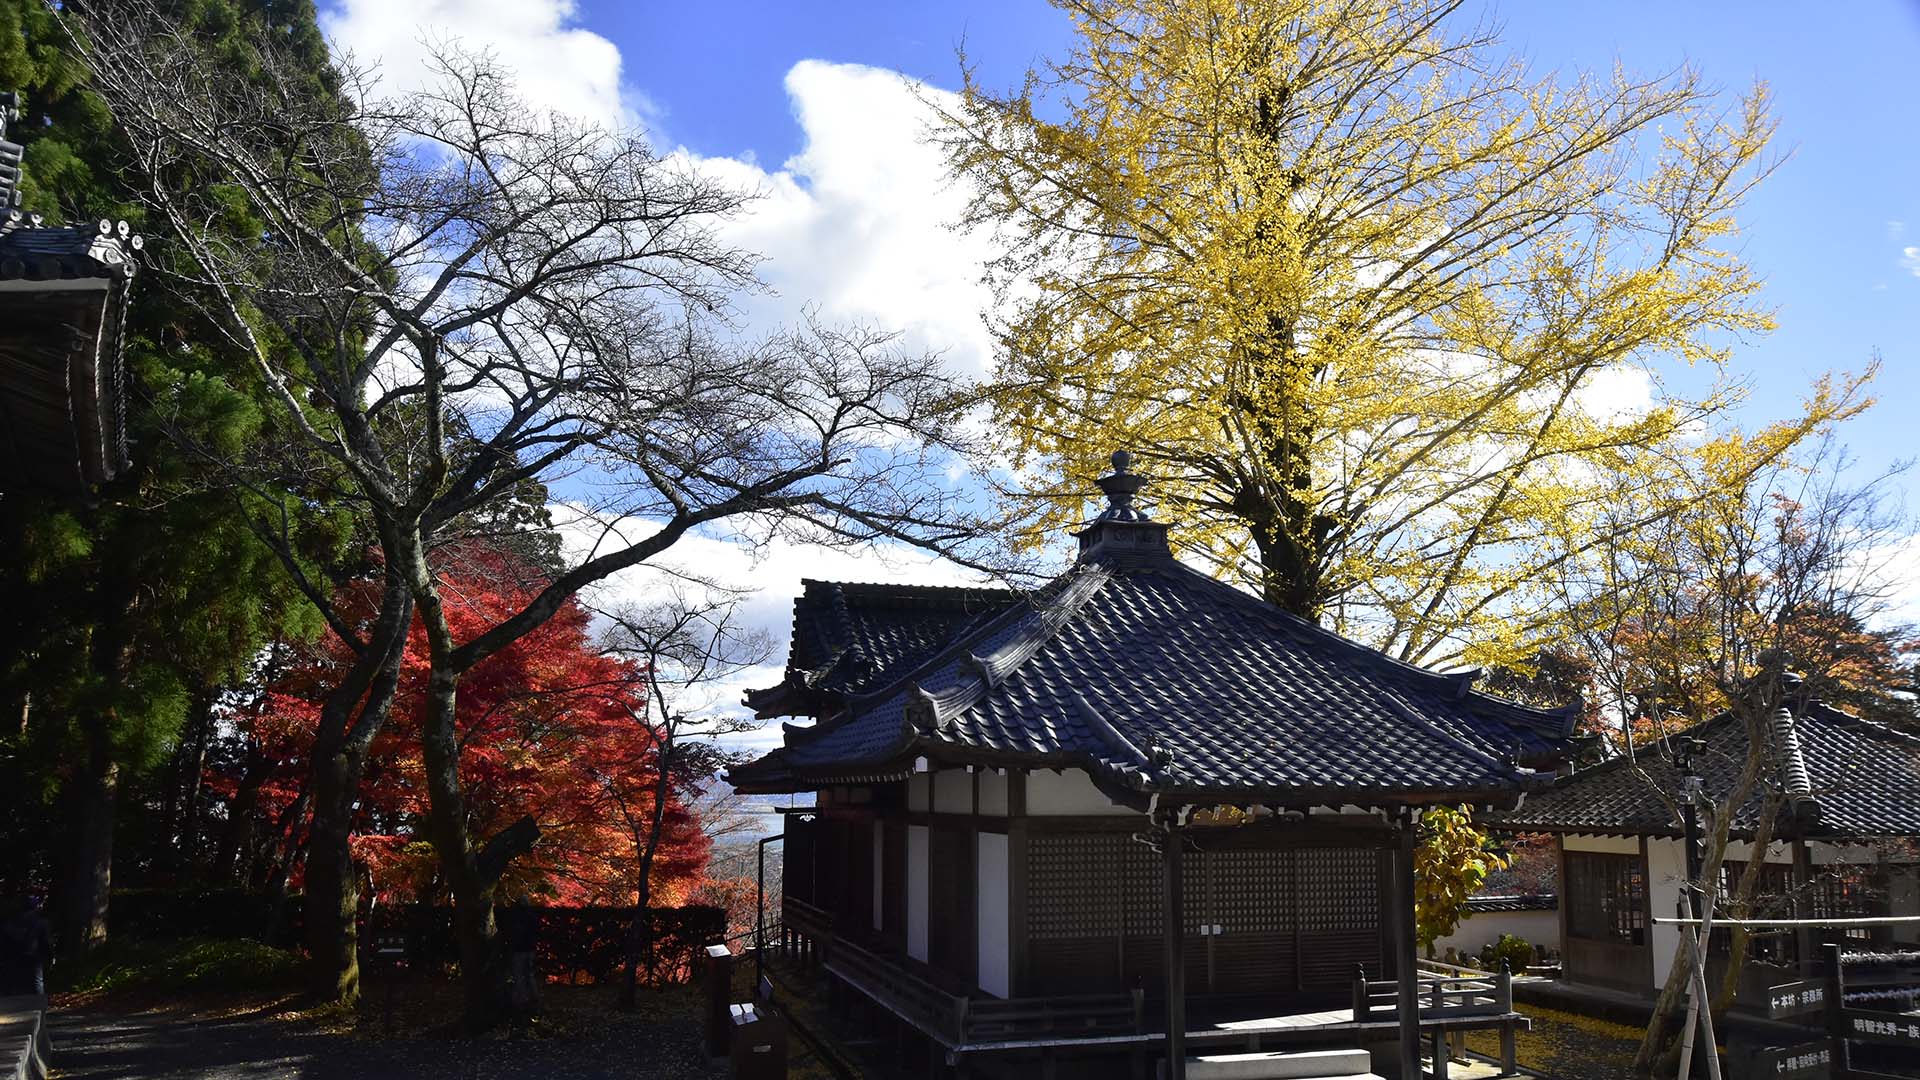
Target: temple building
1841 845
1134 814
63 305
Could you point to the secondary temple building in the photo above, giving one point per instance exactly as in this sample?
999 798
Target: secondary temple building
1135 812
1847 793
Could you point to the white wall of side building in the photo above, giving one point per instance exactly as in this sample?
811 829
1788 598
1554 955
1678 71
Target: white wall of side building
1068 792
1538 928
1666 871
990 903
917 892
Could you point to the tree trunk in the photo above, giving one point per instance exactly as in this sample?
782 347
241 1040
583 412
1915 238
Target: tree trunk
331 898
640 933
240 816
470 874
183 798
90 878
339 756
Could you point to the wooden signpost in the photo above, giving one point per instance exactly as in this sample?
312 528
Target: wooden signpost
1830 1058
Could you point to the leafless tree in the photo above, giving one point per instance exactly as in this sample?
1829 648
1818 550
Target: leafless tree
1757 601
453 299
684 646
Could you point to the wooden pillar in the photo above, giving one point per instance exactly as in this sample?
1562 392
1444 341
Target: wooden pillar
1175 925
1405 952
1803 908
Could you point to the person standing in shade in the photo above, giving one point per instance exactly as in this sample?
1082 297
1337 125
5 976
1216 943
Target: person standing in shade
521 928
28 948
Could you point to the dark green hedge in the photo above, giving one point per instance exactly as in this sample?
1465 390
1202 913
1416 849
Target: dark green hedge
576 944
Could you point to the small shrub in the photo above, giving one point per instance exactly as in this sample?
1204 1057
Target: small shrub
1516 951
180 964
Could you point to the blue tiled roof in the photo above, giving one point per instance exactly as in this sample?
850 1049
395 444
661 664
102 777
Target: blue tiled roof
1157 678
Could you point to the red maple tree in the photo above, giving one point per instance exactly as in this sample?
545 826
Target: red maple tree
547 729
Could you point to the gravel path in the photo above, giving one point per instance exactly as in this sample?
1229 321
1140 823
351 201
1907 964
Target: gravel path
103 1042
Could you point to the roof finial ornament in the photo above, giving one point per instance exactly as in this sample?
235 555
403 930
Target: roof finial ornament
1121 486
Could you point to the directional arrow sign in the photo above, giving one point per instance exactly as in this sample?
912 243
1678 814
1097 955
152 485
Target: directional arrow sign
1796 998
1808 1061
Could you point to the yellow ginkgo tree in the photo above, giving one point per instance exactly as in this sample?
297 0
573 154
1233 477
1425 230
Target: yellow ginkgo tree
1385 314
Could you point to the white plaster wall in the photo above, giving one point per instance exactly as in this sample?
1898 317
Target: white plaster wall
1618 845
953 791
993 792
917 892
917 787
1666 870
1540 928
1070 791
995 946
879 871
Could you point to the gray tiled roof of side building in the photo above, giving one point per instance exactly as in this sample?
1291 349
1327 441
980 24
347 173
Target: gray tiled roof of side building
1864 778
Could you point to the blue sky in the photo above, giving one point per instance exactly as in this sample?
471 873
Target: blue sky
1829 230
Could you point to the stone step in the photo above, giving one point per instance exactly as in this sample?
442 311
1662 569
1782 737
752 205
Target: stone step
1283 1065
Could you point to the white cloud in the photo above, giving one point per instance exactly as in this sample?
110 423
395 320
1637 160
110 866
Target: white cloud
859 223
1910 260
558 64
772 572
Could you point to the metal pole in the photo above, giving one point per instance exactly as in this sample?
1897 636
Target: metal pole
760 911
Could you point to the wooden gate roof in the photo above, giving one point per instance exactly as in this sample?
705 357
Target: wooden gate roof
1159 680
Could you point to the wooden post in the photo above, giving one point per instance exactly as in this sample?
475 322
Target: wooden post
1405 952
1509 1052
1439 1039
1836 1012
1361 998
1802 906
1175 926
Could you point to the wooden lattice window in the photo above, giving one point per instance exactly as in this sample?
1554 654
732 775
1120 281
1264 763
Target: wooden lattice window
1340 889
1606 897
1070 885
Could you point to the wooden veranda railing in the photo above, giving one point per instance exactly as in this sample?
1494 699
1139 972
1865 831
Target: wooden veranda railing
1446 992
964 1019
969 1020
1470 993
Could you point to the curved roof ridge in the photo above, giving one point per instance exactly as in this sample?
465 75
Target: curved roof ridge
1075 588
959 648
1562 718
1877 728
